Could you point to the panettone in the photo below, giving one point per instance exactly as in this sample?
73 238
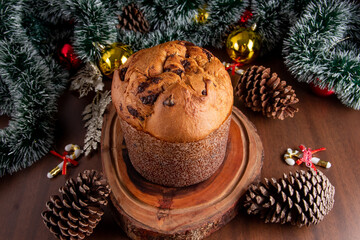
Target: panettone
174 101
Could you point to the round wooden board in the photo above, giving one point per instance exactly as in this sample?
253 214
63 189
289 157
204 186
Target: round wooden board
147 210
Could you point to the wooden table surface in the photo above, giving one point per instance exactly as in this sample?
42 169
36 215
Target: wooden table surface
321 122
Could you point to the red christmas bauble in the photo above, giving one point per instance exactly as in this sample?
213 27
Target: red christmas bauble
68 58
321 92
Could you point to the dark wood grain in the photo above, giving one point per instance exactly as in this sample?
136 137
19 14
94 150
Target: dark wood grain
321 122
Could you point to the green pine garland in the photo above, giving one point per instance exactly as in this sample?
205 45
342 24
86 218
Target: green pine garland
33 31
273 20
93 25
323 48
169 20
30 85
221 15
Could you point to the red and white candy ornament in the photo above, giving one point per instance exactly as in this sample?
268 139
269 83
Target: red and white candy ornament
68 159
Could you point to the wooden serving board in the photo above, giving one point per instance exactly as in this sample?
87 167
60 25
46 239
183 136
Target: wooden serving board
147 210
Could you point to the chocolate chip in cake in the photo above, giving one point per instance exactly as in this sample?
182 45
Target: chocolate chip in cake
204 92
155 79
166 69
120 106
150 99
133 111
208 54
122 73
187 55
172 66
185 63
178 71
142 86
169 101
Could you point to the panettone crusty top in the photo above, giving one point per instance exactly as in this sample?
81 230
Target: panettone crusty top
175 91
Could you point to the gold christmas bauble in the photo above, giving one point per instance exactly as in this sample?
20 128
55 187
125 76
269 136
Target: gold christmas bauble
112 56
243 45
202 15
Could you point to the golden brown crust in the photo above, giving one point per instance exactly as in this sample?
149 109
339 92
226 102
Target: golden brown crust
174 91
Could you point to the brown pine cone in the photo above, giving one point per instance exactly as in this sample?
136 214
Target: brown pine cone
265 92
133 19
302 198
79 211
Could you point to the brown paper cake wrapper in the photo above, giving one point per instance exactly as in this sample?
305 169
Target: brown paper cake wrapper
176 164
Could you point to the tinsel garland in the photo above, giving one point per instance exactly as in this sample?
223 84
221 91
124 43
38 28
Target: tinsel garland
30 85
323 48
94 22
172 20
169 20
94 25
31 33
273 20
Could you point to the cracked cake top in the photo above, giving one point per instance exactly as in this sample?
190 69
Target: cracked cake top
175 91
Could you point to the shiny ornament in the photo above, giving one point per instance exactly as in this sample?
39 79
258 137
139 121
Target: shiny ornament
68 58
112 56
243 44
202 15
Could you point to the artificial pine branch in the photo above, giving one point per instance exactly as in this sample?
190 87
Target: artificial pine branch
273 19
331 57
93 120
88 78
6 105
95 24
221 15
173 20
32 83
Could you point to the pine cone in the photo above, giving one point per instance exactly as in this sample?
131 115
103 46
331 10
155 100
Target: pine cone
262 91
302 198
133 19
78 213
